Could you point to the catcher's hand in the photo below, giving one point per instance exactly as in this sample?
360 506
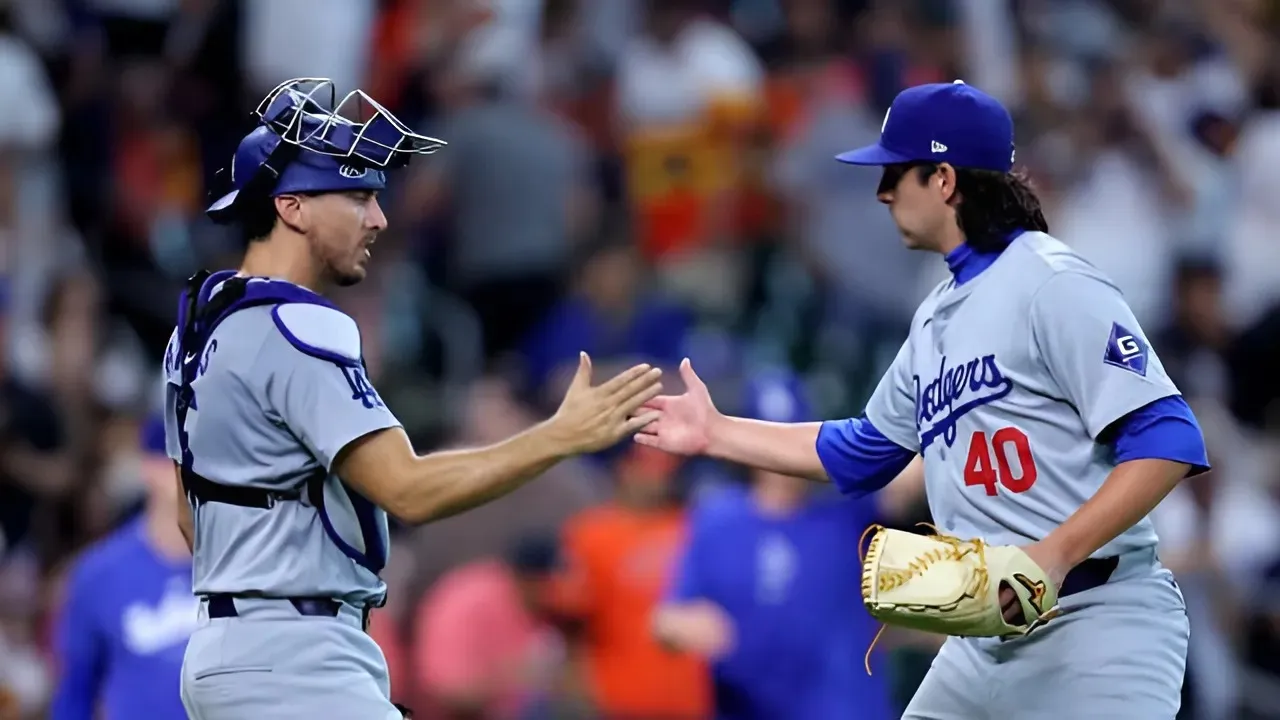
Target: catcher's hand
946 585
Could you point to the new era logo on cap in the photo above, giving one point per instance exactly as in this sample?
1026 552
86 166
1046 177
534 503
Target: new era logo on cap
972 128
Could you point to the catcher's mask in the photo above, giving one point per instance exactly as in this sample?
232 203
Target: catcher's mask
309 142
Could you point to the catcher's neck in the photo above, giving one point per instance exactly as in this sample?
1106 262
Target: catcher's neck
284 255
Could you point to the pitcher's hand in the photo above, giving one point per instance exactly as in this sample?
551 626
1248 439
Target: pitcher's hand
683 421
593 418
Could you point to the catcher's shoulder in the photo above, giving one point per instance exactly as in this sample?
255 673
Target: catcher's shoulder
319 331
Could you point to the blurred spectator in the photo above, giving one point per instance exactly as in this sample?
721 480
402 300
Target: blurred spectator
1255 385
513 186
491 414
1250 253
769 590
610 313
620 558
25 679
1118 196
484 647
1206 527
1193 346
1217 185
128 609
36 465
849 242
1179 74
689 95
286 39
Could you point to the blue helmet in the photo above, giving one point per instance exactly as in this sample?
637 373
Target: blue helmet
306 143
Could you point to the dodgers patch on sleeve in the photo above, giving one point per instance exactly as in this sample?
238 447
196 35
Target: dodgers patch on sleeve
1126 350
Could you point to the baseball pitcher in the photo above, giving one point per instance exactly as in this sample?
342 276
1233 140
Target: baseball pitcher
287 459
1049 432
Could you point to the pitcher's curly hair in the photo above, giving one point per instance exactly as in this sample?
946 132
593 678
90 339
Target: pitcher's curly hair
992 205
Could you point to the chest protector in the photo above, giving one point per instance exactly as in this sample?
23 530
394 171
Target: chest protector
199 315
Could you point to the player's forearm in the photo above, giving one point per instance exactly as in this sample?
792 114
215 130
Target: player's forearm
785 448
445 483
1129 494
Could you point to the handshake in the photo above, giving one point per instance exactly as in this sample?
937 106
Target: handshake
594 417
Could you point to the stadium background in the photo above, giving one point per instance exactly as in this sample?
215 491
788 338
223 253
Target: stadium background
605 192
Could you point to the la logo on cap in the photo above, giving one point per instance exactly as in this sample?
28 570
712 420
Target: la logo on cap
352 172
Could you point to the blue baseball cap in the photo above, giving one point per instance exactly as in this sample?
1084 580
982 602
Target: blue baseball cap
151 435
776 396
953 123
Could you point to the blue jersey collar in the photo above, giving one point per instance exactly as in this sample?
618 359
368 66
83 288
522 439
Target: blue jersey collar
966 263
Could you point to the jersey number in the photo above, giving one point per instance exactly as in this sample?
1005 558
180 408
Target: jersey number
988 462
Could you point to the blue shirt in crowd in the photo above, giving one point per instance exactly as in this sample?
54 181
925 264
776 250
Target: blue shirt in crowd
122 632
792 585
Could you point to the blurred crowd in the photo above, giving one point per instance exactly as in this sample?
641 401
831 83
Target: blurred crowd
644 180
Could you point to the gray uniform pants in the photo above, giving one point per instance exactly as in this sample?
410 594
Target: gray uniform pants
1118 652
273 664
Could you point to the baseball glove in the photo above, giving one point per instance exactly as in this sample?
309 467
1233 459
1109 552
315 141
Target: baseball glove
942 584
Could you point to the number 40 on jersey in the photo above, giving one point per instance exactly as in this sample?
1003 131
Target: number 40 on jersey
1003 459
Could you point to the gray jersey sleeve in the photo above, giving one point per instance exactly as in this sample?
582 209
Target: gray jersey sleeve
892 408
1094 350
326 402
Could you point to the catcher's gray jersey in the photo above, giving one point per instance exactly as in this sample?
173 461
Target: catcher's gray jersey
270 415
1005 383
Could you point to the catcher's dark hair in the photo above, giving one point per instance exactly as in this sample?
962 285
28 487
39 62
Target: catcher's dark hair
993 205
256 217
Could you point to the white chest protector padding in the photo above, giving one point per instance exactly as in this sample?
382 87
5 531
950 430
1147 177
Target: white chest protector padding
320 331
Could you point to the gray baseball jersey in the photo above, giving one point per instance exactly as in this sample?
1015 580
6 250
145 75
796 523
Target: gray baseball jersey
270 412
1005 383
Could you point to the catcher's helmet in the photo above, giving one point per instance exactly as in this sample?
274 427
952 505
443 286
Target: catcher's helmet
305 143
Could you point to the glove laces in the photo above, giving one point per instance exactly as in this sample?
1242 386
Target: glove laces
891 578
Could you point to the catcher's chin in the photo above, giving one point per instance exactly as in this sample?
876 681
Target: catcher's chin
943 584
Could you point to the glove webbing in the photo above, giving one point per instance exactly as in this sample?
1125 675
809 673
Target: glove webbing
888 580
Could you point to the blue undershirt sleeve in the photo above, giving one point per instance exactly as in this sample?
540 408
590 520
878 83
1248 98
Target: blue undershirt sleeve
1165 429
857 457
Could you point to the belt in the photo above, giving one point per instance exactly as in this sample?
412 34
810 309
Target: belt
1088 575
223 605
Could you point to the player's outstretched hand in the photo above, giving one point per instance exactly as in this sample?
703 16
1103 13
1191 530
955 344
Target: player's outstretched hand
592 418
684 421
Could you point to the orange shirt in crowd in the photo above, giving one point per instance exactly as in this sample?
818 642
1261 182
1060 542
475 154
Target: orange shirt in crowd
620 563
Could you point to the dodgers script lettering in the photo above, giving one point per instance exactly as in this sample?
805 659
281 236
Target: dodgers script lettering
956 391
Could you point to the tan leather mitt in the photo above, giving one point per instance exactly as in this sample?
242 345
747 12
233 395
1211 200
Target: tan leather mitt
942 584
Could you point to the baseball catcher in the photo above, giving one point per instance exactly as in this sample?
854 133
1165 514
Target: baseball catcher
287 460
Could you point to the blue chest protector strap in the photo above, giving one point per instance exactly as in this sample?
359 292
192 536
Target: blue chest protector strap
198 316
